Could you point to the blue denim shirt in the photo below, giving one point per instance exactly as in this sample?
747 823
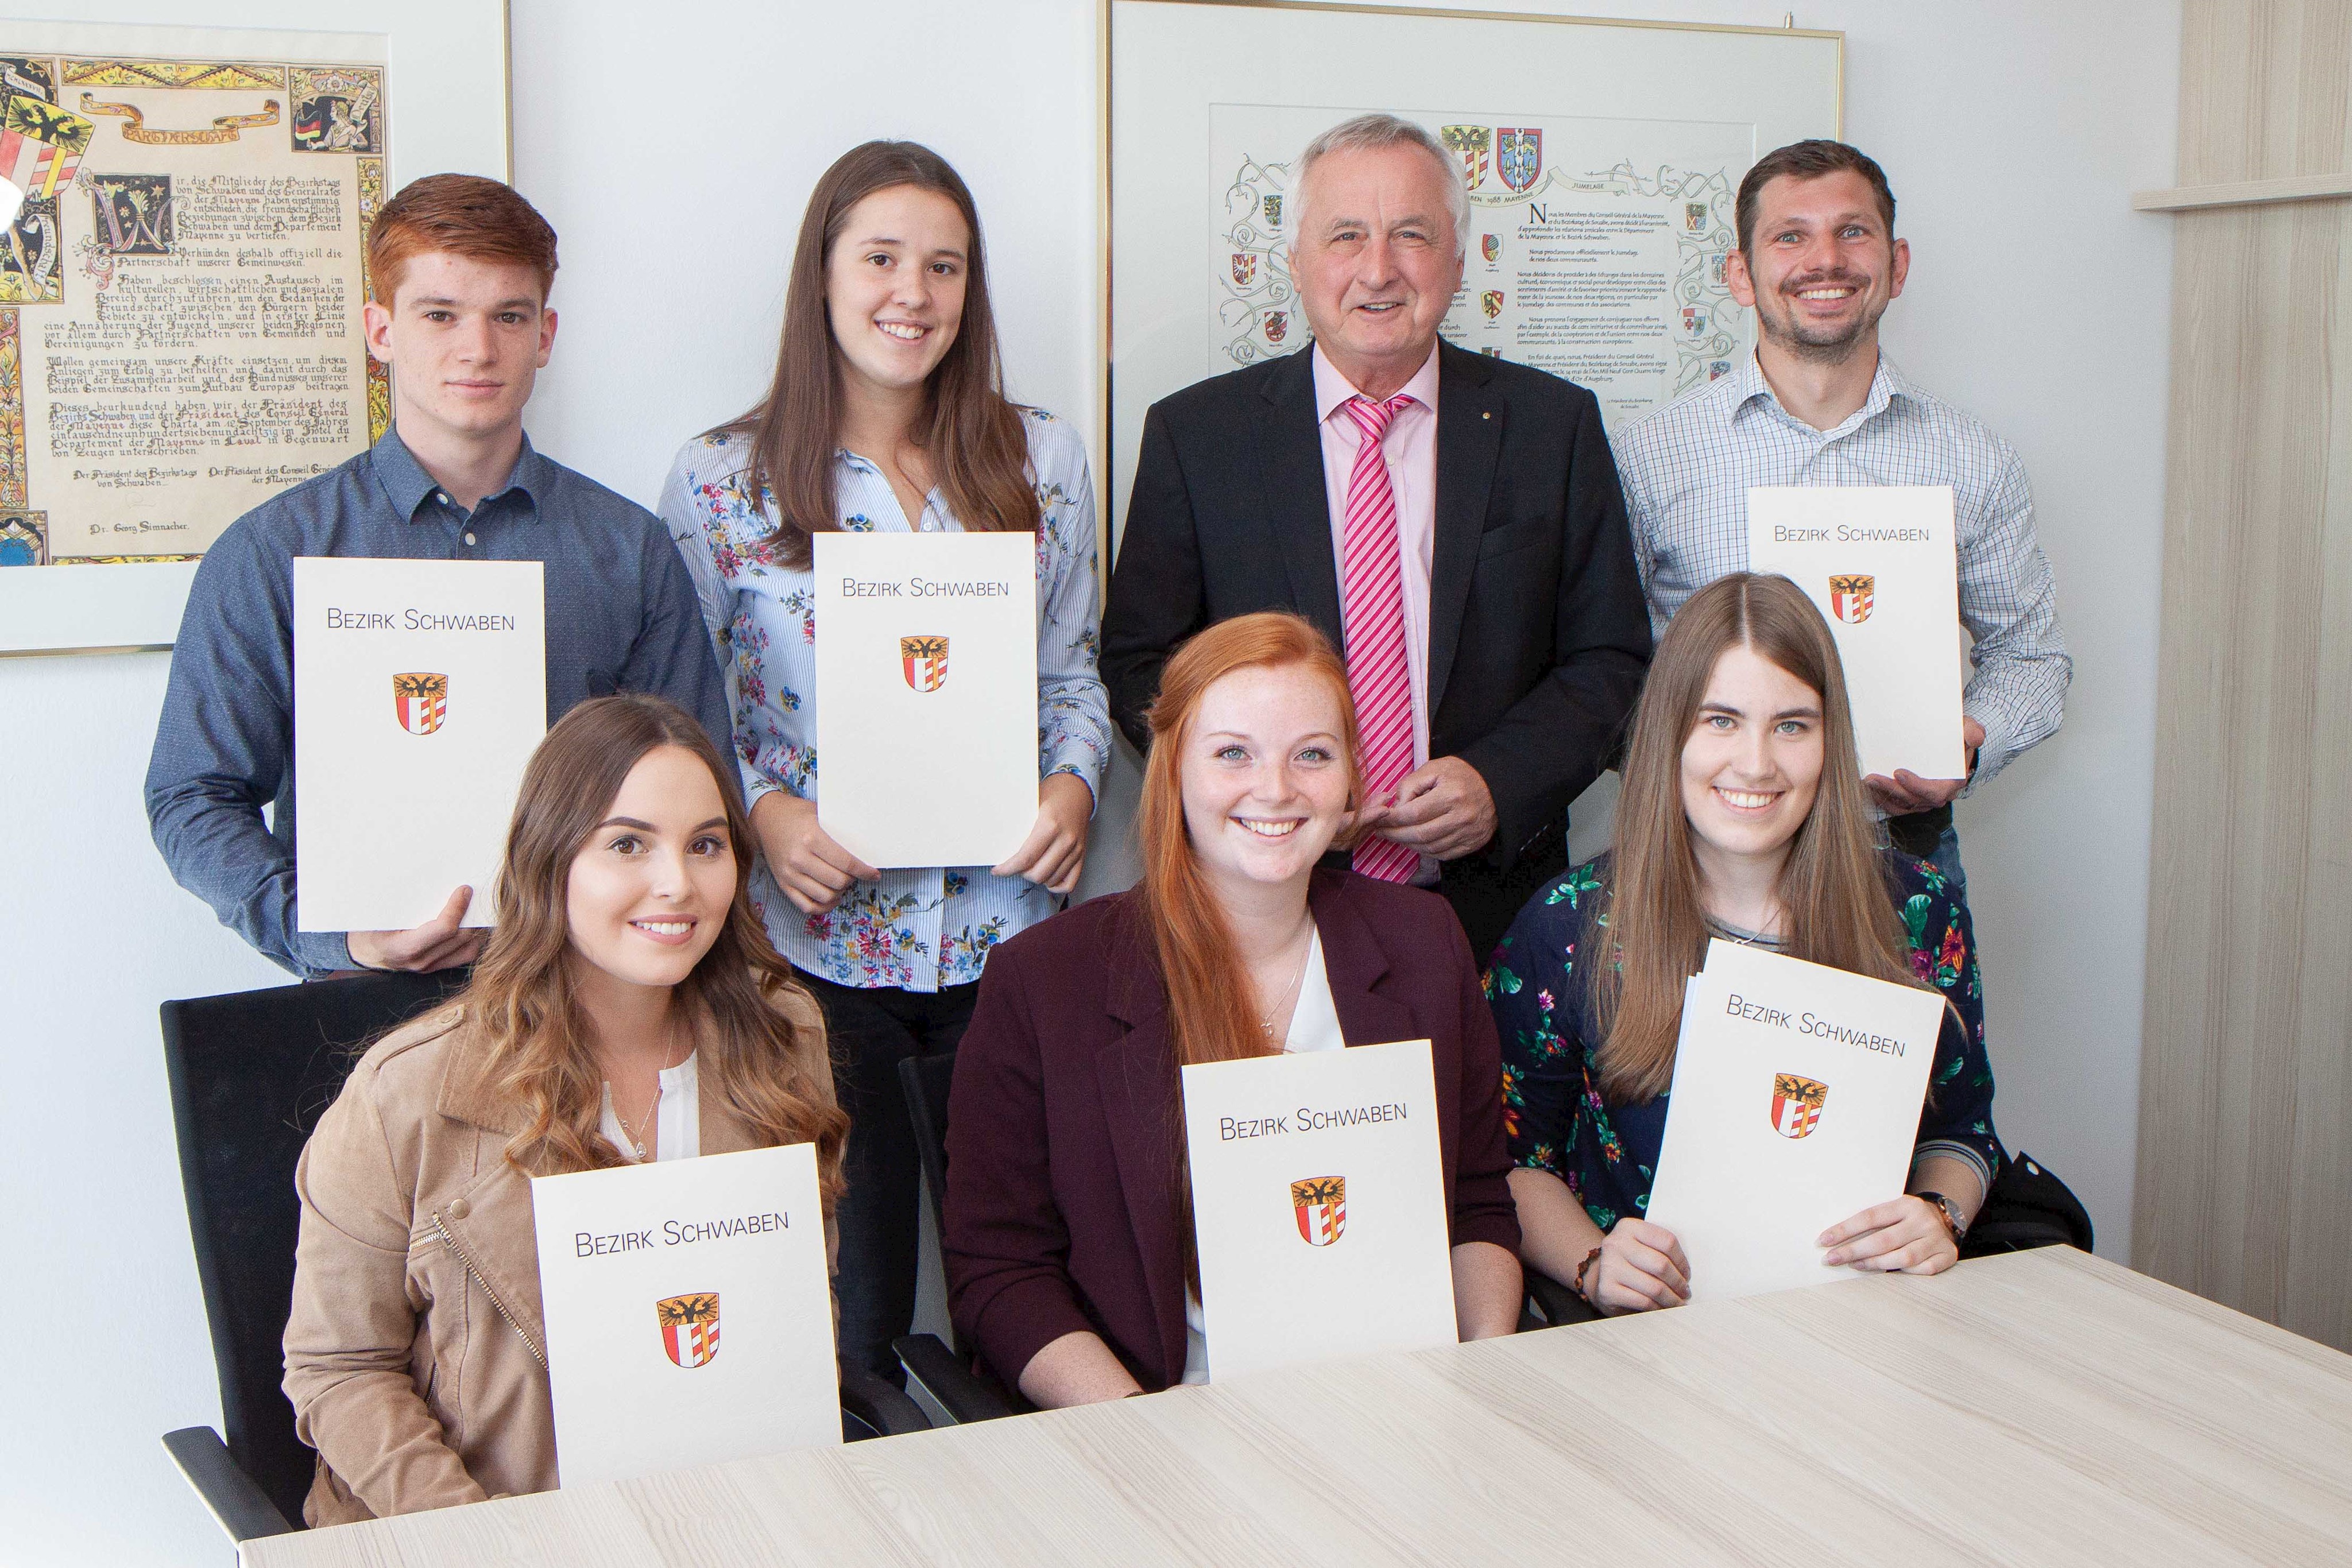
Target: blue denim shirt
621 616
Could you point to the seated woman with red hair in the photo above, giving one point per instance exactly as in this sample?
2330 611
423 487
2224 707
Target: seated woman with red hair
1070 1260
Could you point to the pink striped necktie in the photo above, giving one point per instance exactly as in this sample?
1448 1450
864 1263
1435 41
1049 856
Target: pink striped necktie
1371 621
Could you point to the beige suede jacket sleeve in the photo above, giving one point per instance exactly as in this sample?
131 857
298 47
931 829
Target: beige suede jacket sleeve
357 1348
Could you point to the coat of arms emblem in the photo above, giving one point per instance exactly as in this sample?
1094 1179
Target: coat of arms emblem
1519 156
1694 319
1491 302
925 662
689 1328
1277 326
1851 598
1272 207
1321 1205
41 146
1695 217
420 701
1797 1104
1472 144
1244 268
1490 246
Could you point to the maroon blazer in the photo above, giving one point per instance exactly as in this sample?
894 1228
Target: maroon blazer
1065 1121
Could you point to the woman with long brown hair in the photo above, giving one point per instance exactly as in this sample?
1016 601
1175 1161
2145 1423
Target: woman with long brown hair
887 415
1742 818
627 1008
1068 1242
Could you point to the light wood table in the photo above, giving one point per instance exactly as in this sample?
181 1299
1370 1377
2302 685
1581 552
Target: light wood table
2044 1409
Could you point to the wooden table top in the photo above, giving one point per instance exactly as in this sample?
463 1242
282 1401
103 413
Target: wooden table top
2042 1409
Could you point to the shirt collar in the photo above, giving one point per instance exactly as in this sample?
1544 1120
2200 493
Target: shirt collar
1332 389
407 484
1750 389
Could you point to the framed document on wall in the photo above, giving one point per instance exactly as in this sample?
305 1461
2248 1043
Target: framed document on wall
1602 160
187 210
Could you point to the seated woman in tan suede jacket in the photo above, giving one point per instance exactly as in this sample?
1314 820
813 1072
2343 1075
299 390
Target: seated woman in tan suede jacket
627 1008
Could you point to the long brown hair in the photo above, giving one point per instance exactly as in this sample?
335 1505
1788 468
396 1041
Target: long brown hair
761 1037
1209 1013
1833 887
979 452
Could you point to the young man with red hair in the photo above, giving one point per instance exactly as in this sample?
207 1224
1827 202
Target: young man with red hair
460 267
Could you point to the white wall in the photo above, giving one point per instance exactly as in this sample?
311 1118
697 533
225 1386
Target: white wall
2012 132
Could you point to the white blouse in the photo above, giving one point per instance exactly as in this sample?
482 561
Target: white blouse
678 1117
1313 1026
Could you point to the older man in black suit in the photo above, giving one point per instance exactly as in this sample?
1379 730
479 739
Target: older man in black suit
1451 522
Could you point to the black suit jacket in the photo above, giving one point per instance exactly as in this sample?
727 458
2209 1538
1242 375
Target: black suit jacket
1538 635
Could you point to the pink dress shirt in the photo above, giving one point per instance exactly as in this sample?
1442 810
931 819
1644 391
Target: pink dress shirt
1411 448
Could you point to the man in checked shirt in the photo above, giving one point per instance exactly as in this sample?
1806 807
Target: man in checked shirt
1819 405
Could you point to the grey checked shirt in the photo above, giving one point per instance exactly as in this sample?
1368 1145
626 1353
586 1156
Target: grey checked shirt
1688 469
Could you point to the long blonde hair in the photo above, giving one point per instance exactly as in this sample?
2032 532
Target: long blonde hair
770 1072
1833 887
1209 1012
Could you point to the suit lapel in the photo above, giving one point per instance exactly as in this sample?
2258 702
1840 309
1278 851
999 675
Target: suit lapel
1290 462
1354 963
1469 439
1142 1100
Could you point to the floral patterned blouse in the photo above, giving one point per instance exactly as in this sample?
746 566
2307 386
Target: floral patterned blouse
924 929
1608 1154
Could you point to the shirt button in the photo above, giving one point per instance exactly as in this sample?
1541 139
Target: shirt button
441 496
469 538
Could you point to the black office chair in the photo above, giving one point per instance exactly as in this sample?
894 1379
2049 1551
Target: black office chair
250 1074
2027 1206
947 1374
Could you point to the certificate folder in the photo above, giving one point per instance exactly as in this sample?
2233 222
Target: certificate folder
1880 564
690 1316
1796 1100
1318 1206
420 692
927 696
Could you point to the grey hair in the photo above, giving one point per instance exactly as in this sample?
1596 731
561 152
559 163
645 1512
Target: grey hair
1369 132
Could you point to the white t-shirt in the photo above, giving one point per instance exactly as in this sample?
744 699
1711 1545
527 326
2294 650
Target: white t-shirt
1313 1026
678 1117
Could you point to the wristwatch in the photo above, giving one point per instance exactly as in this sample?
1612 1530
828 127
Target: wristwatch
1951 1213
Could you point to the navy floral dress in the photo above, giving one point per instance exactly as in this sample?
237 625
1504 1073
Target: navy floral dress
1608 1154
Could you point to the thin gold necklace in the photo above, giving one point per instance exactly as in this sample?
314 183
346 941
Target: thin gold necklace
636 1135
1265 1019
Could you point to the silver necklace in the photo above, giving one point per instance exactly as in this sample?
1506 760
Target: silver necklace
1265 1019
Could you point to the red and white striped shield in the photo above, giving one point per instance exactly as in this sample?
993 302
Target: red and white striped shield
420 701
1797 1104
1472 144
689 1328
924 661
40 145
1851 598
1321 1205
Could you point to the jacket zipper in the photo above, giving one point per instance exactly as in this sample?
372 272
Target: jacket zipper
475 1275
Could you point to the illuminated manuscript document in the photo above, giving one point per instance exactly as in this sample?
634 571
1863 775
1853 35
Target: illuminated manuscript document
688 1311
1319 1203
420 692
1880 563
1595 251
927 696
180 291
1797 1092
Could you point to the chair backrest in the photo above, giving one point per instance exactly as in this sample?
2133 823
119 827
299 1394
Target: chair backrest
250 1074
